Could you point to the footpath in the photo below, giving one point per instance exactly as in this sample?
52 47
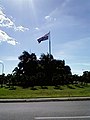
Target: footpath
45 99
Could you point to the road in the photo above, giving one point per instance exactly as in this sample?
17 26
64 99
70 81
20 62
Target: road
63 110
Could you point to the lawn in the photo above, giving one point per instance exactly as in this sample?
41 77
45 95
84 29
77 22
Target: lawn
47 92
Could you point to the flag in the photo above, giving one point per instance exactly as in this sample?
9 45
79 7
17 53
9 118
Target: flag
45 37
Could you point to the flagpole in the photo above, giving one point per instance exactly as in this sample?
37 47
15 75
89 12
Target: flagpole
49 44
46 37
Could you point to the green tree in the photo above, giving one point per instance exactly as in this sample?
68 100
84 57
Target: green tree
2 80
47 67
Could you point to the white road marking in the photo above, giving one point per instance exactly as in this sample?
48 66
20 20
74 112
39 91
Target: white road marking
51 118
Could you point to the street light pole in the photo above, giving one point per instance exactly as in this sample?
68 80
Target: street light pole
2 67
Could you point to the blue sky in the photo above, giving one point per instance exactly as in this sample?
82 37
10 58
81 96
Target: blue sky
23 21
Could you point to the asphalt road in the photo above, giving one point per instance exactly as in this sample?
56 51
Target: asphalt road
63 110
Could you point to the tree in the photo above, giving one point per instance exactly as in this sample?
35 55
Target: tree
9 80
85 77
2 79
43 72
47 67
27 67
28 63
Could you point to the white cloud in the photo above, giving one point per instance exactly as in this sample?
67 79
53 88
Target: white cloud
37 28
21 28
7 22
49 18
4 37
12 42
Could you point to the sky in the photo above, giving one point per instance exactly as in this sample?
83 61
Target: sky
23 21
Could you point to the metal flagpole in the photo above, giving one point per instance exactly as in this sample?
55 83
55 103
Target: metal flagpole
49 44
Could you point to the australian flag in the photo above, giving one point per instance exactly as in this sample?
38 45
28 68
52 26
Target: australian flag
45 37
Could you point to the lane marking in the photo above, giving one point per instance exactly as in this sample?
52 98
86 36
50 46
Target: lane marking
51 118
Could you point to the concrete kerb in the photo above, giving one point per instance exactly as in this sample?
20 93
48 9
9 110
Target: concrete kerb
44 99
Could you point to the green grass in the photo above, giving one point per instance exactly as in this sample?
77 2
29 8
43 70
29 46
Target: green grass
54 92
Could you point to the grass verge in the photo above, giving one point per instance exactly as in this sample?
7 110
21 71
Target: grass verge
50 92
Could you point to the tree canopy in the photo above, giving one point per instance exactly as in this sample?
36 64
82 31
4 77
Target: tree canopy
45 71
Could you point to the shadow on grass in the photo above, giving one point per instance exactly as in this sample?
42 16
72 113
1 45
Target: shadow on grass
33 88
71 87
58 88
9 87
12 88
79 86
44 87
